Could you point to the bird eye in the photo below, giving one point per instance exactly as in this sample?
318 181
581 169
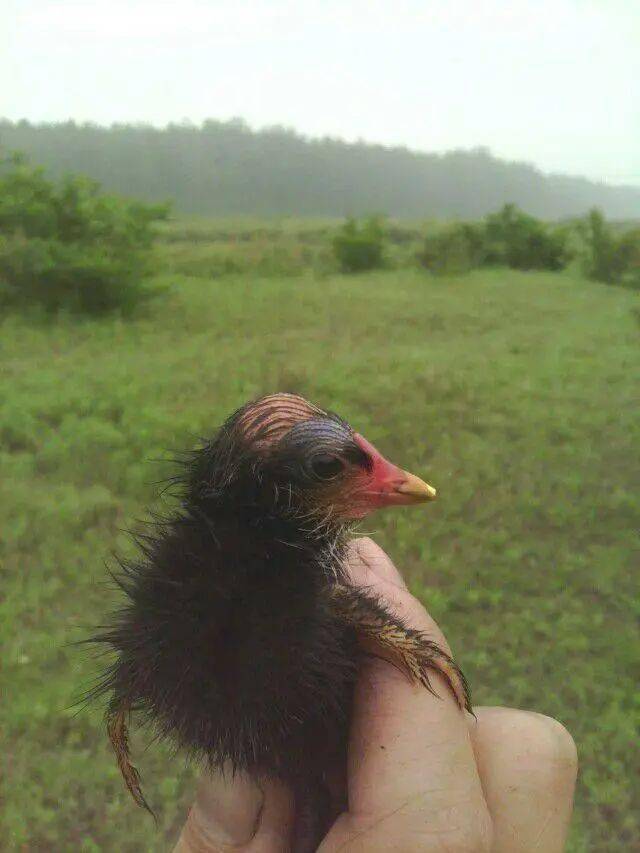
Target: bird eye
325 466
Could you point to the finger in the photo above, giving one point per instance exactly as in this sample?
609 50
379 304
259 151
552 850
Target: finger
411 766
369 566
235 812
364 557
528 766
411 762
276 821
224 814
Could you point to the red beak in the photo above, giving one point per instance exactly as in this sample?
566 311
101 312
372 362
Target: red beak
390 485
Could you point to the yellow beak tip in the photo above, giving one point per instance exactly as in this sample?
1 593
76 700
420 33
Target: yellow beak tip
416 489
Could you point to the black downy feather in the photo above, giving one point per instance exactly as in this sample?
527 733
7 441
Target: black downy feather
227 643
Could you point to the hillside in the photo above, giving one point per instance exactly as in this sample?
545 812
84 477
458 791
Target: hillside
224 168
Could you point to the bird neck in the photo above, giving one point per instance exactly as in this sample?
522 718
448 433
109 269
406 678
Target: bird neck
315 541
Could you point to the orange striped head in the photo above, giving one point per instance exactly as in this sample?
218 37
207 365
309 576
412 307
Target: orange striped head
302 459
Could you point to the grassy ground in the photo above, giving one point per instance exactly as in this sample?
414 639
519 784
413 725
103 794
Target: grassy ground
515 393
211 248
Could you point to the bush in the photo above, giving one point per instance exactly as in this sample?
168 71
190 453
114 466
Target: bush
506 238
81 278
359 247
522 242
630 250
609 257
69 245
457 249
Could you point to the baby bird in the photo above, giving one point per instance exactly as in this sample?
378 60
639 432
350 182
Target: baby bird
241 634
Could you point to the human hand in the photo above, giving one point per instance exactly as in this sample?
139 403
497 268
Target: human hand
421 775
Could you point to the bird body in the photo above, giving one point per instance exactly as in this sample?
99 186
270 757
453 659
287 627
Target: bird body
241 635
232 647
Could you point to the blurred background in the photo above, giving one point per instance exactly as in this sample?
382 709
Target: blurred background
423 216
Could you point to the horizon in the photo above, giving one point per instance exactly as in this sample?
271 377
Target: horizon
188 123
538 82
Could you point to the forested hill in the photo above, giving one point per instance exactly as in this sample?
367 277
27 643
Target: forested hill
224 168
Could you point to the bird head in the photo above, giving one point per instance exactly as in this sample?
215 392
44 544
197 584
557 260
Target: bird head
285 454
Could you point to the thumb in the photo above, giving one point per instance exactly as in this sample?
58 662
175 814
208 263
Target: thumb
236 812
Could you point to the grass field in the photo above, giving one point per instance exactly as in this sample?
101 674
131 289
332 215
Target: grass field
517 394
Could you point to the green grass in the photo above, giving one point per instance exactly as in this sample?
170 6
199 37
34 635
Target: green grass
213 248
516 394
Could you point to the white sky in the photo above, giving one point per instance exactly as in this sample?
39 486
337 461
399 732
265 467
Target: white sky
554 82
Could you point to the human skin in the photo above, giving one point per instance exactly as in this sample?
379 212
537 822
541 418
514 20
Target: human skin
421 774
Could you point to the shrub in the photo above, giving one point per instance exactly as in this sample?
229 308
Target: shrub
87 279
522 242
456 249
70 245
506 238
609 257
359 247
630 249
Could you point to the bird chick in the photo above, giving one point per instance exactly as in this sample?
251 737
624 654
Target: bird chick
241 634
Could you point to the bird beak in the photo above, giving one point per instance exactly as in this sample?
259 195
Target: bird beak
390 485
415 490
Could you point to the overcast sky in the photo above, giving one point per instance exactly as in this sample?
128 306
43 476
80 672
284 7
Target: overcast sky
554 82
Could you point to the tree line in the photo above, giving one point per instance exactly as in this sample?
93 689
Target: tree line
225 169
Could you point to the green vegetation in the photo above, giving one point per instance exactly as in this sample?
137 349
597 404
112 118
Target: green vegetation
291 247
513 238
226 169
70 246
285 247
610 256
455 248
508 238
515 393
359 247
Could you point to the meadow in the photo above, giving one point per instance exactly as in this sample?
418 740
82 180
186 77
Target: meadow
515 394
